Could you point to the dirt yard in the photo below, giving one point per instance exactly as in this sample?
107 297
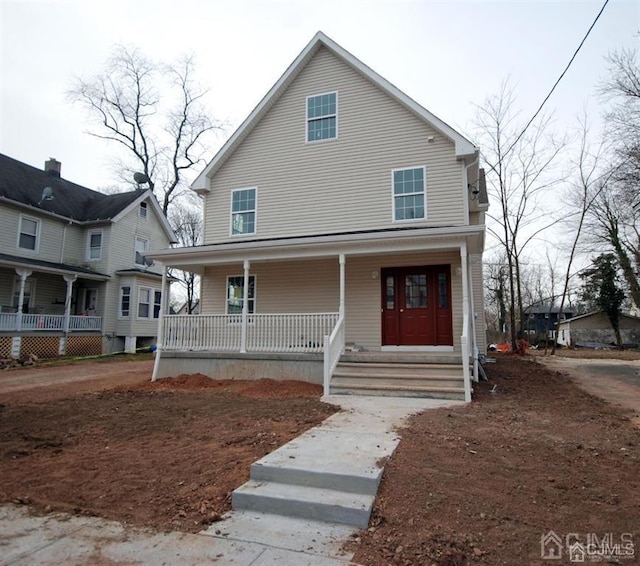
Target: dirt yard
477 484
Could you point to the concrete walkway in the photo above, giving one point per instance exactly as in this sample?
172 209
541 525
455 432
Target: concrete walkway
344 446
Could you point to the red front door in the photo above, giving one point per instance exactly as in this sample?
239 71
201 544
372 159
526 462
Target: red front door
416 306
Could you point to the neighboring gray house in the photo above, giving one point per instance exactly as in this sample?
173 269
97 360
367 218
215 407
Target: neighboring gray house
73 277
343 227
594 328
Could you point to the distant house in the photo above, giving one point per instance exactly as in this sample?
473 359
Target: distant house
594 329
343 241
540 322
74 278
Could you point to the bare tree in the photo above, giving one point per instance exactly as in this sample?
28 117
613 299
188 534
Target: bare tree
154 113
187 224
520 172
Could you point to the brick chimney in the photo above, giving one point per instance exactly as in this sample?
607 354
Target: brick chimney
52 166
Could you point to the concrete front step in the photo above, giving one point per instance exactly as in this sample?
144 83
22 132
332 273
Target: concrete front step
386 380
398 370
318 504
453 393
402 357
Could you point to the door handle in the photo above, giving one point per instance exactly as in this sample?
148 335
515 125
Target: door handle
401 310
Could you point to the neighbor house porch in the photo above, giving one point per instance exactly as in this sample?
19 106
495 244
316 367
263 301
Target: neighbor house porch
372 307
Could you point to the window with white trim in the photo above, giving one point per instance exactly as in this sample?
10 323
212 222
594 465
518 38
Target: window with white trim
235 294
142 210
94 245
29 233
409 195
125 301
322 117
157 303
243 211
27 298
144 302
142 247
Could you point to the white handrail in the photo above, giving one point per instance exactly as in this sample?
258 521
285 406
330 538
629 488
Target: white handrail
333 349
464 344
49 322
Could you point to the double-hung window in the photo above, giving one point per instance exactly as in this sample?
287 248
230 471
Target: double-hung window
235 294
243 211
29 233
409 194
125 301
157 303
144 302
142 210
94 251
142 247
322 117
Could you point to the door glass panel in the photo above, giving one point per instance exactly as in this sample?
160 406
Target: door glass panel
443 291
390 293
415 291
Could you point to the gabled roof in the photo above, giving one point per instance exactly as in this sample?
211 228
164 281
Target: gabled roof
594 313
23 185
463 146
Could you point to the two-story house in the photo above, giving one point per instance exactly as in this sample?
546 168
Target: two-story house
343 240
74 279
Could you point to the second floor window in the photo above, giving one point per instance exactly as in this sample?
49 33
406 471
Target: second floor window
322 117
142 247
95 245
29 232
243 211
408 194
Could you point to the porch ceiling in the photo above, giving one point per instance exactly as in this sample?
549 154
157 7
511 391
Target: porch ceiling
195 258
14 262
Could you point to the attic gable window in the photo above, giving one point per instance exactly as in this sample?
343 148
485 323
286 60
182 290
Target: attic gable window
409 200
142 210
243 211
322 117
29 232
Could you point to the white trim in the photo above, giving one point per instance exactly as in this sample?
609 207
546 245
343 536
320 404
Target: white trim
417 348
308 120
463 146
88 250
255 213
424 195
38 222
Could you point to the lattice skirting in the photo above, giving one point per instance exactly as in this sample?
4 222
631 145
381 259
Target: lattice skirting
42 346
5 347
84 345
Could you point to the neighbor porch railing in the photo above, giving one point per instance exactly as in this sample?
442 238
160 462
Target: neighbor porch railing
49 322
294 333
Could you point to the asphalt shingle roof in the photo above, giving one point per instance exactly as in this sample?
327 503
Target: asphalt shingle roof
23 184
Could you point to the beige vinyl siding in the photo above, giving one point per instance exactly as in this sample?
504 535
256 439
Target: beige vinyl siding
339 185
313 286
7 277
475 261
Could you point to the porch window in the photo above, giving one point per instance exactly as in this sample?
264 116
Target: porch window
409 201
144 302
157 303
29 232
94 251
29 287
243 211
142 247
322 117
125 301
235 294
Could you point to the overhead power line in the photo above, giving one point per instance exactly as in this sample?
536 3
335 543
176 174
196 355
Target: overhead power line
559 79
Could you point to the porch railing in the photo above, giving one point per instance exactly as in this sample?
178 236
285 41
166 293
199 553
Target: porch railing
303 333
49 322
333 349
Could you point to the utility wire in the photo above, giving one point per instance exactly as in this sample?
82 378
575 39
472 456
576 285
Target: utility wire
558 81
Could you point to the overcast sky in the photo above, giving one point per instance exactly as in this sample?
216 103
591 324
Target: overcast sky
448 56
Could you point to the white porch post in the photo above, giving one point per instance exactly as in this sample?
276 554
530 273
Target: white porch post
23 273
163 302
342 285
245 308
474 334
465 320
70 280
